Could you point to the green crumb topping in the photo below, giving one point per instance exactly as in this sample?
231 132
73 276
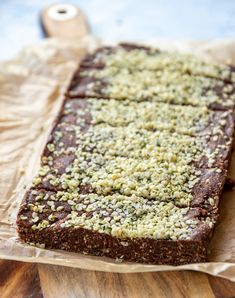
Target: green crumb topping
166 77
132 165
173 61
167 88
51 147
124 216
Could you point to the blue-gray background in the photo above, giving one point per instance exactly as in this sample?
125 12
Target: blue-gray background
122 20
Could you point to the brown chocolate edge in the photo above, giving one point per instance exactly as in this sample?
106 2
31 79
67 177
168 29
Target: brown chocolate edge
138 250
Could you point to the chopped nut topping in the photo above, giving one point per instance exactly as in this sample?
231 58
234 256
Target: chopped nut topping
127 216
128 164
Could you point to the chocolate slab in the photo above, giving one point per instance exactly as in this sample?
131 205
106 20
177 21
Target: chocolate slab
78 239
137 159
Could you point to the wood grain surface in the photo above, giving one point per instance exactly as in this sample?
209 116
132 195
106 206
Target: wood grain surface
26 280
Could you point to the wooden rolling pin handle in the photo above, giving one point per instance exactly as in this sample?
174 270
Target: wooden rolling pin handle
64 20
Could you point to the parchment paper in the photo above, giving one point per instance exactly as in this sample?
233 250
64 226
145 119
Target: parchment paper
31 88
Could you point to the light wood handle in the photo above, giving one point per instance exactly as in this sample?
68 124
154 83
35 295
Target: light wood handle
64 20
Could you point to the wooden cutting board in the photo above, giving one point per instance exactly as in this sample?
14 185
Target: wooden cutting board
19 279
25 280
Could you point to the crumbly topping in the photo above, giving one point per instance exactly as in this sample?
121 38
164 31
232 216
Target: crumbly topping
155 116
118 215
154 165
160 86
129 167
156 60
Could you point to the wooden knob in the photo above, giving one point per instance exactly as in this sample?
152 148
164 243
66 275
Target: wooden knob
64 20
